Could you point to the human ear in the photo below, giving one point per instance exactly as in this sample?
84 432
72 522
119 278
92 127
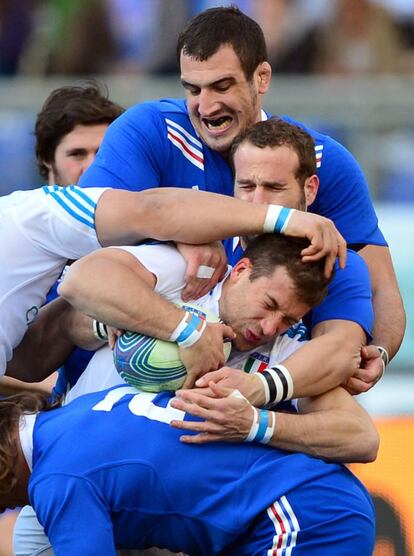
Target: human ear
264 73
311 189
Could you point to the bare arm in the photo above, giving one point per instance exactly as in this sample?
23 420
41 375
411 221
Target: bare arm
112 286
331 426
43 348
390 322
125 217
329 358
10 386
326 361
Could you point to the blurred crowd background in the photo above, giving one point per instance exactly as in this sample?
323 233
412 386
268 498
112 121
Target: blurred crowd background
351 37
345 67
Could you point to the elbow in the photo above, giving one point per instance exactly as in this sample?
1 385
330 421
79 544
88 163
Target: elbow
66 290
371 442
348 352
71 288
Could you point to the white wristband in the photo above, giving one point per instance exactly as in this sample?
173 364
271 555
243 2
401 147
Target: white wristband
279 382
277 219
189 330
263 426
181 326
254 428
288 385
99 330
384 357
265 388
270 429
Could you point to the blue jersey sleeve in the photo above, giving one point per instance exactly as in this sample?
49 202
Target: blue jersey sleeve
133 152
349 296
75 518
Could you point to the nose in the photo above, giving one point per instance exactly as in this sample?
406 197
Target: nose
207 103
87 161
259 195
272 325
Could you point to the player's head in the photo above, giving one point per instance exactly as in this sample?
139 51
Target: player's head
14 471
69 130
270 289
224 70
274 162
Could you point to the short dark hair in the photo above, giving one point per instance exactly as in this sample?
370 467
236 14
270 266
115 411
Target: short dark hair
275 132
213 28
268 251
11 410
66 108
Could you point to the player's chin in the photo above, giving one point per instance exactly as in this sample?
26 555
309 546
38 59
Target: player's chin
219 143
241 344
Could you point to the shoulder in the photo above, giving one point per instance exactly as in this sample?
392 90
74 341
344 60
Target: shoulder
165 262
349 296
326 147
355 272
165 116
156 110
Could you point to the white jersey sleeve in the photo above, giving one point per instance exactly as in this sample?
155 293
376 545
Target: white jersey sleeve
39 231
165 262
61 220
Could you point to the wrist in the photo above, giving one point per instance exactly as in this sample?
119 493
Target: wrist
277 219
100 330
257 392
189 330
263 426
277 385
384 356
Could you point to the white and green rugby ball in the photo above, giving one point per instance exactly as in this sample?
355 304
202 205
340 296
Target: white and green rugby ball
153 365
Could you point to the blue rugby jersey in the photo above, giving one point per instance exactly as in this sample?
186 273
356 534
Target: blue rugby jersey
155 144
109 471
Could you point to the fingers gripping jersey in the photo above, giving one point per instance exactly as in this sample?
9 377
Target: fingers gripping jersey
39 231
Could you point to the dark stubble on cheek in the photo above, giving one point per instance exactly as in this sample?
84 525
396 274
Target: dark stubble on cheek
253 111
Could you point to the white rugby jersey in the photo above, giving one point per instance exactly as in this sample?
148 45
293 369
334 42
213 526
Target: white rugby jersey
169 267
39 231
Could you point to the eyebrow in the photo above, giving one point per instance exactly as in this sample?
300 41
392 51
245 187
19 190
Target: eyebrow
231 79
76 150
263 183
275 305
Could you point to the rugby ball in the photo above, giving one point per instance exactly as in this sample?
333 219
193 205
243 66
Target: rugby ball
154 365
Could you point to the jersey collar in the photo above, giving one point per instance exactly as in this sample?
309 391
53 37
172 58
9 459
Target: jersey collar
26 426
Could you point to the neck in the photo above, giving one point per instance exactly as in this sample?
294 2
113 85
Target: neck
222 300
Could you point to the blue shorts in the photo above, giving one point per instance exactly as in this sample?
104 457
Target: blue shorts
330 515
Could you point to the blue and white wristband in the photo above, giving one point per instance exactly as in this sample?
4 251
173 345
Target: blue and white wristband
277 219
189 330
263 426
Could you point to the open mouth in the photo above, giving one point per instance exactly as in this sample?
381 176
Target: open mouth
218 124
251 337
